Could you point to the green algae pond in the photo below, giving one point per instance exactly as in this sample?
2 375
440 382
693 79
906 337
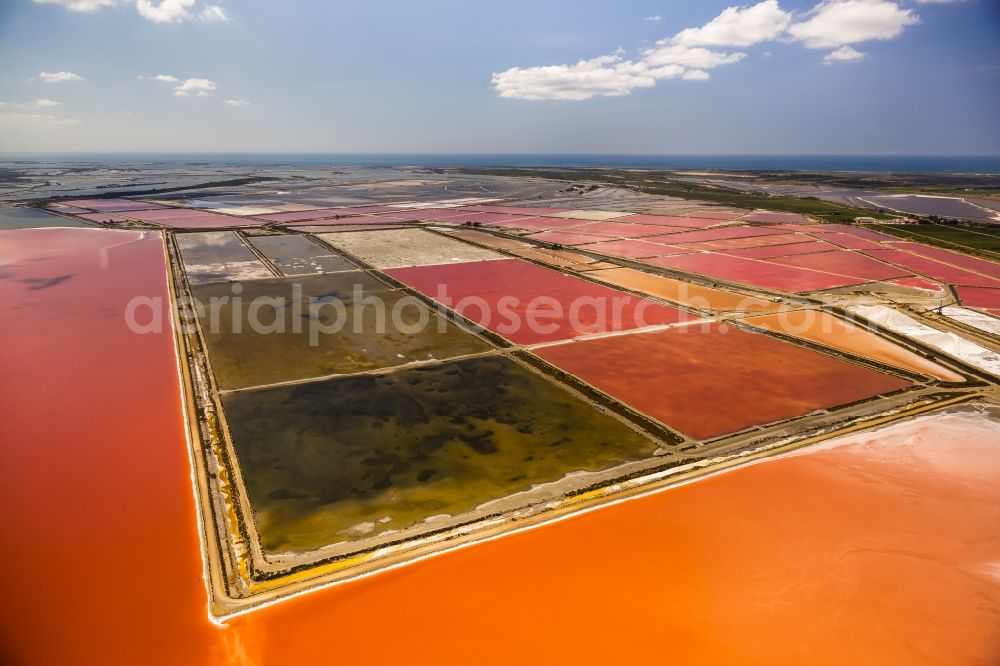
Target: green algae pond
348 458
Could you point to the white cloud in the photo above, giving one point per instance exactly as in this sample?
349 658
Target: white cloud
608 75
697 58
213 13
739 26
197 87
157 11
653 19
59 77
35 120
187 87
667 71
696 75
613 76
843 54
834 23
236 102
164 11
37 104
81 5
831 24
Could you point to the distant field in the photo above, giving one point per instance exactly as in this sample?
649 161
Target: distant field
661 184
977 239
822 210
961 192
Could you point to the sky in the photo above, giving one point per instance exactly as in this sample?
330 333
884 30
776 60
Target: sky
579 76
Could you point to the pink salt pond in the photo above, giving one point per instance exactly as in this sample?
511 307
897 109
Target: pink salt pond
529 304
757 273
844 262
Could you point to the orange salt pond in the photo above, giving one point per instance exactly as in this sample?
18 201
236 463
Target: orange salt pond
880 548
558 258
829 331
684 293
707 380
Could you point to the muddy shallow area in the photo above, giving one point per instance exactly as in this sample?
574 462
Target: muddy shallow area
289 329
215 256
406 247
297 255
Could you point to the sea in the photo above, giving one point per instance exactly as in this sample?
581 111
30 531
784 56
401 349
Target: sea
968 164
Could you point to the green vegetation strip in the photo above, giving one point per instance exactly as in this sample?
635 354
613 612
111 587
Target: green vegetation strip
982 241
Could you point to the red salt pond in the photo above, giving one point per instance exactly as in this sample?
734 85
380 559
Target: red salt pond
983 266
707 380
750 241
536 223
881 549
780 250
100 556
671 251
978 297
844 262
635 249
186 218
854 231
668 221
934 269
806 228
208 221
756 273
848 241
515 210
529 304
436 214
103 217
617 229
162 213
565 238
716 234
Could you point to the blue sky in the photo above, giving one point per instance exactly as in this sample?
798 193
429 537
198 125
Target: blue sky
585 76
